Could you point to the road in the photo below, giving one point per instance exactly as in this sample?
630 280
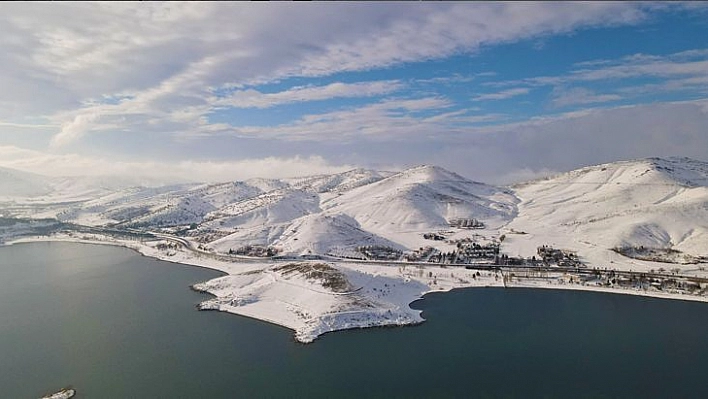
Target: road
188 245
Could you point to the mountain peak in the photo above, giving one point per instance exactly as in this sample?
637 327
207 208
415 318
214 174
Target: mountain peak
684 170
430 173
17 183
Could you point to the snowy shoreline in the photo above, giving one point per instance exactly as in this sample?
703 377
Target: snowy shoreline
376 295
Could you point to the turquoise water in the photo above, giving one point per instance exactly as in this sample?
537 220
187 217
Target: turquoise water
115 324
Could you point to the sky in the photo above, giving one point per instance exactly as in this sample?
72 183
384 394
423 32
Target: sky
498 92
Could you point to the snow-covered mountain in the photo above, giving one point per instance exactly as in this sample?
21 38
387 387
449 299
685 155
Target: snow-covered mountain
340 182
424 197
335 214
277 206
651 203
15 183
19 184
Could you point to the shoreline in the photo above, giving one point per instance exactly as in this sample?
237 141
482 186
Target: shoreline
618 291
107 243
387 290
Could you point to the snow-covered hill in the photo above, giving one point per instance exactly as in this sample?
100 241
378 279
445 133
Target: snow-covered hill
15 183
338 183
650 203
337 235
276 206
424 197
338 213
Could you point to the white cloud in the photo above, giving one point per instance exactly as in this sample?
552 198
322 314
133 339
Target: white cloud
27 125
204 171
150 70
503 95
447 80
563 97
168 57
76 128
570 140
251 98
391 119
427 31
691 64
650 66
497 154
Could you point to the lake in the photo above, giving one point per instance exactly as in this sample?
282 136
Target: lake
115 324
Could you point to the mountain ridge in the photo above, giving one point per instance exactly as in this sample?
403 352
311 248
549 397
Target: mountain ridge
654 202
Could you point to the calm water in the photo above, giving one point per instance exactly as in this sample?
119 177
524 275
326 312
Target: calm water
116 325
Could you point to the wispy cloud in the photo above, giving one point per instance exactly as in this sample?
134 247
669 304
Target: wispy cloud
503 95
453 79
682 65
511 152
499 153
388 119
213 171
251 98
563 97
168 57
28 125
153 75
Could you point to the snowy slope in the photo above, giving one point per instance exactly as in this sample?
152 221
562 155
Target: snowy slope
422 198
658 203
337 213
220 195
124 205
273 207
266 185
653 203
338 183
162 205
15 183
175 212
324 234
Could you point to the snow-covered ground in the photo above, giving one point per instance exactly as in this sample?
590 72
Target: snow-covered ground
653 203
66 393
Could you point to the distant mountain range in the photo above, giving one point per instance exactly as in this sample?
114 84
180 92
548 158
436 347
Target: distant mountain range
653 202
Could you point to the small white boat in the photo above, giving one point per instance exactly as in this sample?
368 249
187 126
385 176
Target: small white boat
65 393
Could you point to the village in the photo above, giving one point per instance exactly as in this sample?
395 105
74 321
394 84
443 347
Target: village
471 250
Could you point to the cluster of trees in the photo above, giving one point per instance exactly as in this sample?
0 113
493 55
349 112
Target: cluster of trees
379 252
433 236
254 250
469 223
550 255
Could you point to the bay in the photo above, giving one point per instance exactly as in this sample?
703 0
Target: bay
115 324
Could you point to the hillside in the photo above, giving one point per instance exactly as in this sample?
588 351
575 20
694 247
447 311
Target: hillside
276 206
649 208
424 197
15 183
650 203
335 214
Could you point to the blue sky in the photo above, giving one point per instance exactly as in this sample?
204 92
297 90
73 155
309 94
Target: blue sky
498 92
